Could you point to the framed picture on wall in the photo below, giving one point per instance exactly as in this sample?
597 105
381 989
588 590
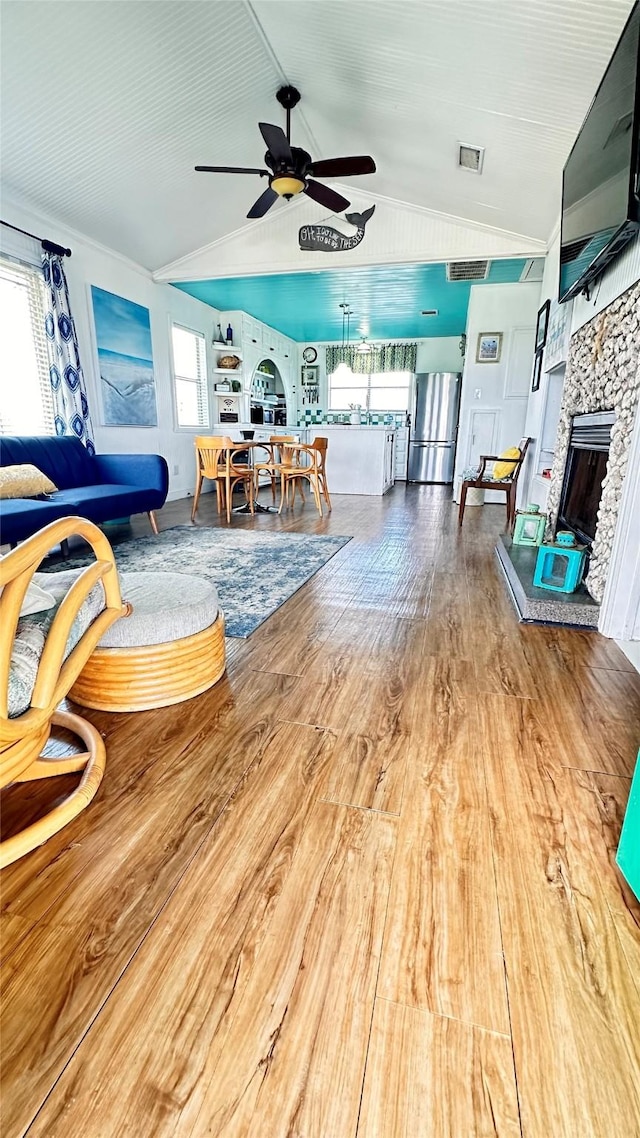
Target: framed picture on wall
310 376
542 324
537 369
489 348
123 340
556 349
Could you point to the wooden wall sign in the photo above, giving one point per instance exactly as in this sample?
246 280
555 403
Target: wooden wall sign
326 239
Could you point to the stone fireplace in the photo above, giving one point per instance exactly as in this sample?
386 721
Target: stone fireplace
602 376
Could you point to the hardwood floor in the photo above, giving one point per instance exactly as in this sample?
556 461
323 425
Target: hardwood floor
363 888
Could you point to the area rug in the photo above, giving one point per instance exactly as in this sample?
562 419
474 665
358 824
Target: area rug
254 573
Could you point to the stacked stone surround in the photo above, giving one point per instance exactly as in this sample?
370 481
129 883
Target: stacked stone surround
603 374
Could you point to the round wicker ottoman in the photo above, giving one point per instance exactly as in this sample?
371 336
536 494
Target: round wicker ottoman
169 649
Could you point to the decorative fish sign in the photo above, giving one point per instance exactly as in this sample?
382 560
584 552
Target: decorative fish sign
325 239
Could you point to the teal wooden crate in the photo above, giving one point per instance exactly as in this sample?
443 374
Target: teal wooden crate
628 855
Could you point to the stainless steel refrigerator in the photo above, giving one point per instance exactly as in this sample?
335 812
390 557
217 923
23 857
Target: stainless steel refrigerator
434 426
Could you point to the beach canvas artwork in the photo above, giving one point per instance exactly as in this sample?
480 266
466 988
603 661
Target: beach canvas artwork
123 338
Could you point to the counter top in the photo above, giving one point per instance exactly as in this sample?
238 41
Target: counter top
321 427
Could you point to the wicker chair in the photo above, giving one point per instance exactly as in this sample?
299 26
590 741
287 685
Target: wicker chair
25 729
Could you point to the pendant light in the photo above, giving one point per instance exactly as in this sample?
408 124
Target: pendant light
343 371
363 347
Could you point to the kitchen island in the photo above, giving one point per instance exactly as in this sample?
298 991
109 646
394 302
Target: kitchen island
360 459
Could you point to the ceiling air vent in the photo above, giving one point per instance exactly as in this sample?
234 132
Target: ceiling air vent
470 157
468 270
429 312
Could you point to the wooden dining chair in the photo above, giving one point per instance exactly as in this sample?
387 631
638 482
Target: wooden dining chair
271 466
484 481
215 460
305 460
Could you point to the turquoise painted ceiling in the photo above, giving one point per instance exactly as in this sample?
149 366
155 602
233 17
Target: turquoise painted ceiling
386 301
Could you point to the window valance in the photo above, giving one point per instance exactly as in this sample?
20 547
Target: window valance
387 357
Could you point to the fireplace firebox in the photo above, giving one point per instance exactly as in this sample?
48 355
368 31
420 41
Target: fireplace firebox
584 473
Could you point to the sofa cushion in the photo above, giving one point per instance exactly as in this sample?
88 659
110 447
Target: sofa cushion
103 503
20 517
24 481
63 459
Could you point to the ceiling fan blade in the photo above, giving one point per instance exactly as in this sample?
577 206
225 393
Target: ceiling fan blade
277 144
264 202
325 196
233 170
343 167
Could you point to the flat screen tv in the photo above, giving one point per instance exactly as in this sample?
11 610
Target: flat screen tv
601 179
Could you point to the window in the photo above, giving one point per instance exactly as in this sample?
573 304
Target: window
190 375
374 391
26 403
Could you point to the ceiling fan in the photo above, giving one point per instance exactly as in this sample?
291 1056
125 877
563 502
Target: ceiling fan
291 170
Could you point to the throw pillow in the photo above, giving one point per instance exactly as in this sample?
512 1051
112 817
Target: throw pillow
36 600
24 481
505 469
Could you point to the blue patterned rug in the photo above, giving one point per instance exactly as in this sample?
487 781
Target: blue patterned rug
254 573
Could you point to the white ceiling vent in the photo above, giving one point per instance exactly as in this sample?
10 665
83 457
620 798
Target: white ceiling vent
468 270
533 269
470 157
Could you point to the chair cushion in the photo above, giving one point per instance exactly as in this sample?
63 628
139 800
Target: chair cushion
24 481
166 607
505 469
31 635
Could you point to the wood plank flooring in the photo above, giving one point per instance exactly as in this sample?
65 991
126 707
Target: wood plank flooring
363 888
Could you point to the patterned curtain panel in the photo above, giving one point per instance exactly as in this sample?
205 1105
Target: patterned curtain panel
70 406
388 357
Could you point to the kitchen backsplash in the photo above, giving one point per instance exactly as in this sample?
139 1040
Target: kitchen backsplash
372 419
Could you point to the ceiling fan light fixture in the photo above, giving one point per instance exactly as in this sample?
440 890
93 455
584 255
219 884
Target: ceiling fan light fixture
287 186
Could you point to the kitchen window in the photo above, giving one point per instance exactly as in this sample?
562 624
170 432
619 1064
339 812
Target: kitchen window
26 403
373 391
190 376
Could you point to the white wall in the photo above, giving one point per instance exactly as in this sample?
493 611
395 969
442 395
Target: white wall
93 264
493 404
397 233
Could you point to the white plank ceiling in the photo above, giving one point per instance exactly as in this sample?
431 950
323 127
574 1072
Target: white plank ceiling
106 107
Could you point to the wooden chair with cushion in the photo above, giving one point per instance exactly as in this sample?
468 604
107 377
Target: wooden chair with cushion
484 480
41 655
305 460
214 460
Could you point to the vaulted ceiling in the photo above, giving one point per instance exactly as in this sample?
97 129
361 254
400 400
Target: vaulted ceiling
107 107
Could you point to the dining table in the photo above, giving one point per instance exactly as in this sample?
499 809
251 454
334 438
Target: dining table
248 447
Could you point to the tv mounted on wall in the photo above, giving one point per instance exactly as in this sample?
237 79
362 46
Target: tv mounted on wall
601 179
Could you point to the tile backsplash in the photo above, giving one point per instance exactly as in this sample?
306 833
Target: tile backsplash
372 419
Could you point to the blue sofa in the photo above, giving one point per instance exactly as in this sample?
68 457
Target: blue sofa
101 487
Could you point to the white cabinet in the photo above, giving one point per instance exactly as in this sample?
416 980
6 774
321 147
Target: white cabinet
251 331
359 459
401 454
389 460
